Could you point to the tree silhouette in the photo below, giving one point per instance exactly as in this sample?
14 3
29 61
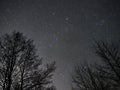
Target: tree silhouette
103 76
20 66
85 78
109 70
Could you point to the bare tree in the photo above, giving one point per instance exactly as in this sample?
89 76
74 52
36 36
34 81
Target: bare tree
84 78
103 76
20 65
109 70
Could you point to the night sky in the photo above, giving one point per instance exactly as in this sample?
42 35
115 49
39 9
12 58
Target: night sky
63 30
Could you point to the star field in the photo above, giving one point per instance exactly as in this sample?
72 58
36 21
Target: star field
63 30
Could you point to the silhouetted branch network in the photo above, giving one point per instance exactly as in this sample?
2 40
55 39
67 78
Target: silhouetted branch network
20 65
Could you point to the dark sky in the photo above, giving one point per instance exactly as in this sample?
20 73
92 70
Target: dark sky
63 30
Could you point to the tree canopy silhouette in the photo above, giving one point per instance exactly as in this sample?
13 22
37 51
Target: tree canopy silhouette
103 76
20 66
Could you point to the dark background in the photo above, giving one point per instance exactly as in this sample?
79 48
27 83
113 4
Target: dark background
63 30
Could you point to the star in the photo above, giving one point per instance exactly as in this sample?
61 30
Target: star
50 45
62 75
53 13
50 24
101 22
67 18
